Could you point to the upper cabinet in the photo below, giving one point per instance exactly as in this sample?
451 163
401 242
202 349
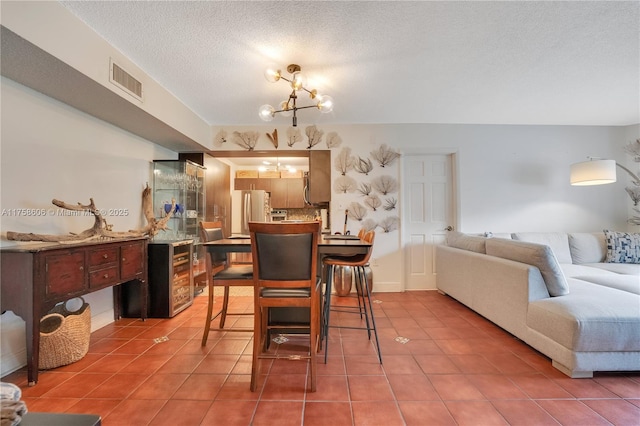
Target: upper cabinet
286 192
318 190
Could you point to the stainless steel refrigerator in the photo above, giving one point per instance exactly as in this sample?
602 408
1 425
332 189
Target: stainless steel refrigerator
248 206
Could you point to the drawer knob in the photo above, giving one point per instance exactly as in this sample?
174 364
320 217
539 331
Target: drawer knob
106 275
82 268
124 259
105 256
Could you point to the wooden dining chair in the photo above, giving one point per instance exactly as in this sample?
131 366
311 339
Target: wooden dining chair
284 276
365 307
221 273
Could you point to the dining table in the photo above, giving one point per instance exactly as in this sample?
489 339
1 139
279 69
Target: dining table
328 245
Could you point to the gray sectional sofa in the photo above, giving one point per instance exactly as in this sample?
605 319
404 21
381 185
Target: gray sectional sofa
554 291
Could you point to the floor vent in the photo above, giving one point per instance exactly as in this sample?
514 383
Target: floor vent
125 81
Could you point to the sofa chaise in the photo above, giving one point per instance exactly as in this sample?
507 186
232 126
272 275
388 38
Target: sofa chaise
575 297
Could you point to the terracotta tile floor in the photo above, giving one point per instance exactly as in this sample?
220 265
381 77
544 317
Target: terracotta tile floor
457 368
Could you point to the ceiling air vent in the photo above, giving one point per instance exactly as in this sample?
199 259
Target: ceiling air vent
125 81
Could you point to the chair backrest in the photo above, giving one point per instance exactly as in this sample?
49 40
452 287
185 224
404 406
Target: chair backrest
284 254
369 237
212 231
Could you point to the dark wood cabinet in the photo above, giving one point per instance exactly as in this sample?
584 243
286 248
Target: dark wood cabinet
170 278
319 177
253 183
245 183
278 193
287 193
295 193
36 277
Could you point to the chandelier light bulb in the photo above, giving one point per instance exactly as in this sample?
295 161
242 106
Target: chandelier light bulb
298 80
266 112
325 103
286 108
272 74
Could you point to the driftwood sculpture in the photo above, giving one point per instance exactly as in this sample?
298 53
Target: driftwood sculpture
100 228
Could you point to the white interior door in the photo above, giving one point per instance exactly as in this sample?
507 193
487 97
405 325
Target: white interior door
428 194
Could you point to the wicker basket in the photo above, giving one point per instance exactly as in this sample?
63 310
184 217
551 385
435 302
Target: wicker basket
64 336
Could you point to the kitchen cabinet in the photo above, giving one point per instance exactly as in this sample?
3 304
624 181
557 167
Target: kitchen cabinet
295 193
252 183
278 193
319 177
287 193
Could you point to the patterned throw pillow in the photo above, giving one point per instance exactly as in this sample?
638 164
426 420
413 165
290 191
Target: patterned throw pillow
622 247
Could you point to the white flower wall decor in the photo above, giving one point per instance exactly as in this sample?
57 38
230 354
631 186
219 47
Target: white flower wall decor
247 140
344 161
366 184
314 136
333 140
384 155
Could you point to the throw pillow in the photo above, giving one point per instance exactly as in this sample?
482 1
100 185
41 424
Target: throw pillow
622 247
538 255
558 241
587 247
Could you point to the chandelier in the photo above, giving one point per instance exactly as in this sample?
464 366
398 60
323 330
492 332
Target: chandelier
289 107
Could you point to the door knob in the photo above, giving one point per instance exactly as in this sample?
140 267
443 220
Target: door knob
449 228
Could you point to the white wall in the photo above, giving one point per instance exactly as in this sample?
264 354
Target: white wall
53 28
510 178
50 150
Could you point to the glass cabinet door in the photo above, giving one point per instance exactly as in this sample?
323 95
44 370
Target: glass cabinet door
184 182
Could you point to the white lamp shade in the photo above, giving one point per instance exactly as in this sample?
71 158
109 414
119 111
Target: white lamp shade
594 172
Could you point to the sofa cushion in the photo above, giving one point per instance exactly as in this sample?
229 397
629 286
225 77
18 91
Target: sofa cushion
627 283
587 247
591 318
466 242
558 241
618 268
571 271
538 255
622 247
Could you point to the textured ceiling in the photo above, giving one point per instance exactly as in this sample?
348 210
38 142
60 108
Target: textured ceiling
507 62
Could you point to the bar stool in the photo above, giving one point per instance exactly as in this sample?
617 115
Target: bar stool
220 273
364 307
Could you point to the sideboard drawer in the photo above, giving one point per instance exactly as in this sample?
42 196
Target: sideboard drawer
65 273
104 277
103 256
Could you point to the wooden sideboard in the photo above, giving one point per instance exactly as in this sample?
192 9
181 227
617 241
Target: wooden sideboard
35 277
